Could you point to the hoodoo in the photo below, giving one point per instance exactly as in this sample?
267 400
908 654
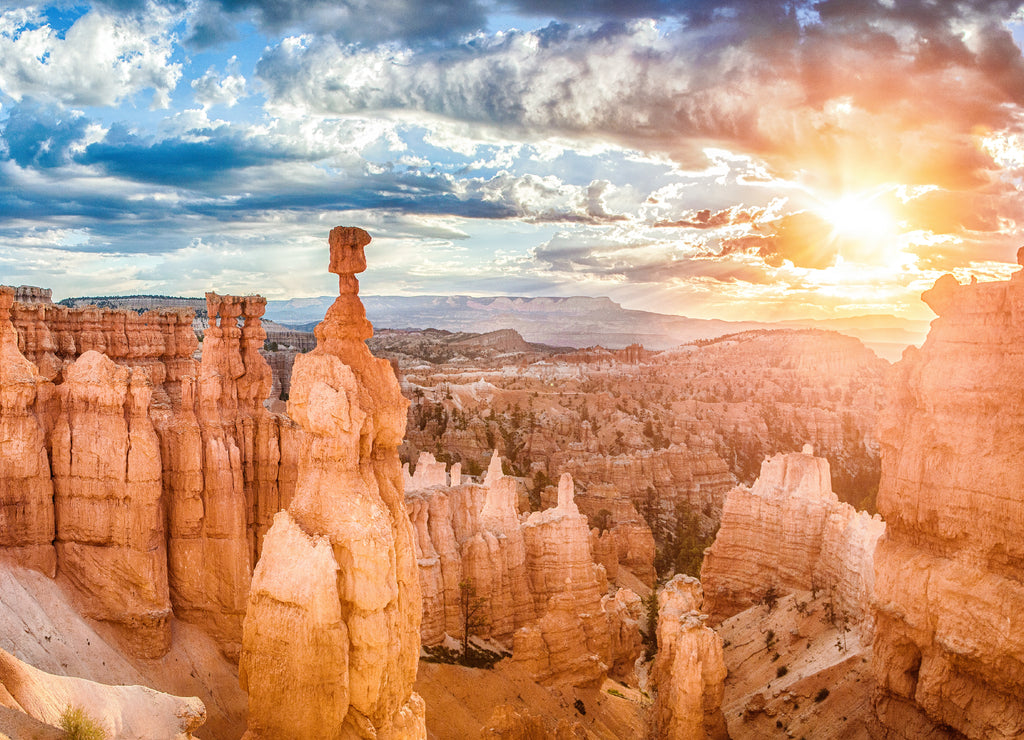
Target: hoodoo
334 611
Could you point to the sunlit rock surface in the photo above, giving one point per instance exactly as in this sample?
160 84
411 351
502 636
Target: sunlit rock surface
790 532
949 591
689 670
338 568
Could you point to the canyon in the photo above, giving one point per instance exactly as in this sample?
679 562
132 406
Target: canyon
193 530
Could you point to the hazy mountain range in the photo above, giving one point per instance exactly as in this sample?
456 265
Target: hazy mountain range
581 321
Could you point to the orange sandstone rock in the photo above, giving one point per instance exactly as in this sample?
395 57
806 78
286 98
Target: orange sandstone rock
790 532
689 669
949 599
359 602
26 491
570 643
111 542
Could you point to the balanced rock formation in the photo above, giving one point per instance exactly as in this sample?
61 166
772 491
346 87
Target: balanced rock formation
790 532
331 635
949 591
689 670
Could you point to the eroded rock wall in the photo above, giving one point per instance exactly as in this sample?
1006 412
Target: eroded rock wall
790 532
167 469
26 489
110 537
541 589
949 591
469 537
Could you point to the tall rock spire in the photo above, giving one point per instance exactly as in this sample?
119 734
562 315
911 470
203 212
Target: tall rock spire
334 611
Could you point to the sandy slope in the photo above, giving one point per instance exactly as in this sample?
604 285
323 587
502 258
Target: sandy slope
39 626
462 701
760 704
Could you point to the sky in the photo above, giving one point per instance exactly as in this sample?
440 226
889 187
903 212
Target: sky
740 159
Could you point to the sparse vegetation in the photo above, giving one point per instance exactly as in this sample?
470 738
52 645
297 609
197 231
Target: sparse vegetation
78 725
781 671
684 551
473 656
473 618
616 692
771 598
821 696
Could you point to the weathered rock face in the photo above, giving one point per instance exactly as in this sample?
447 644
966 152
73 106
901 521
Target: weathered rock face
151 451
429 473
689 670
471 535
619 535
26 491
570 642
222 452
539 588
625 610
111 542
790 532
51 336
33 294
949 599
338 569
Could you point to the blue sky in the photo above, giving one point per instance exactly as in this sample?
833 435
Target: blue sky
752 159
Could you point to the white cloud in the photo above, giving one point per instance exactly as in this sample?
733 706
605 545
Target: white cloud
212 89
101 60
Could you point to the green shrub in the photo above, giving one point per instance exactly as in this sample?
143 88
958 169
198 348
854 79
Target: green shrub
80 726
781 671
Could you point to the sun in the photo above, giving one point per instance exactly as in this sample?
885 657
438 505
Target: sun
861 218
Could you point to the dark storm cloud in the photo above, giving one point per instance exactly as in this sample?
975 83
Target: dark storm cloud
350 21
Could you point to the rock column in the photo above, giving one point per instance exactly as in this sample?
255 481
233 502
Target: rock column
331 637
26 491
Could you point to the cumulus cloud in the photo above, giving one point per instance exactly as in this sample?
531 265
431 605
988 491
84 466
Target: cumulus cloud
213 89
102 59
891 94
